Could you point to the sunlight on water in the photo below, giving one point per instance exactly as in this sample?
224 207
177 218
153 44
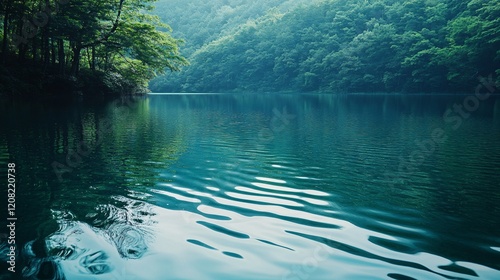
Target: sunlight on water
183 187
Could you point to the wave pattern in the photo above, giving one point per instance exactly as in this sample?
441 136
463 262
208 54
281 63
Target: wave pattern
187 187
302 206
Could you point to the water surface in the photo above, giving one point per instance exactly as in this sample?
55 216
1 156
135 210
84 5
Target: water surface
257 186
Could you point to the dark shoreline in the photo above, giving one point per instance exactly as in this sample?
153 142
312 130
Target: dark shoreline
31 83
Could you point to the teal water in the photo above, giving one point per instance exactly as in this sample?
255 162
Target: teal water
256 186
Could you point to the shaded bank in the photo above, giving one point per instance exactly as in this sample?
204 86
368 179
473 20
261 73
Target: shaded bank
33 81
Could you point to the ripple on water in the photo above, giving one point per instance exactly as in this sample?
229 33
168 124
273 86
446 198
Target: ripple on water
184 188
253 204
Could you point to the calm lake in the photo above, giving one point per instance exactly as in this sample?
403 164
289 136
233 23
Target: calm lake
255 186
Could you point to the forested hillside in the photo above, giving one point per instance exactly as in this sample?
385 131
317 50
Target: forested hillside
334 45
200 22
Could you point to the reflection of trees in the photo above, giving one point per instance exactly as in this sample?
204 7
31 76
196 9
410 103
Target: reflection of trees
496 110
138 144
121 229
101 184
122 156
107 189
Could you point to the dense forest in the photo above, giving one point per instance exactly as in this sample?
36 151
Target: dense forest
333 45
235 45
96 46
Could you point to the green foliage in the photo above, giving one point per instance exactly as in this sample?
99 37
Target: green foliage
200 22
117 37
335 45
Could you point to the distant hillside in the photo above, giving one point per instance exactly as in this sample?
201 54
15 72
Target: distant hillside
335 45
201 21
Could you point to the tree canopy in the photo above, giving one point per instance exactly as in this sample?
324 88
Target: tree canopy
116 42
335 45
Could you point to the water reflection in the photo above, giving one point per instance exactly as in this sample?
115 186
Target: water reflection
183 187
97 245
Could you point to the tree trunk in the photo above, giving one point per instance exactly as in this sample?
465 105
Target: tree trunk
93 59
89 60
61 59
22 47
53 53
5 33
75 65
46 49
34 49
